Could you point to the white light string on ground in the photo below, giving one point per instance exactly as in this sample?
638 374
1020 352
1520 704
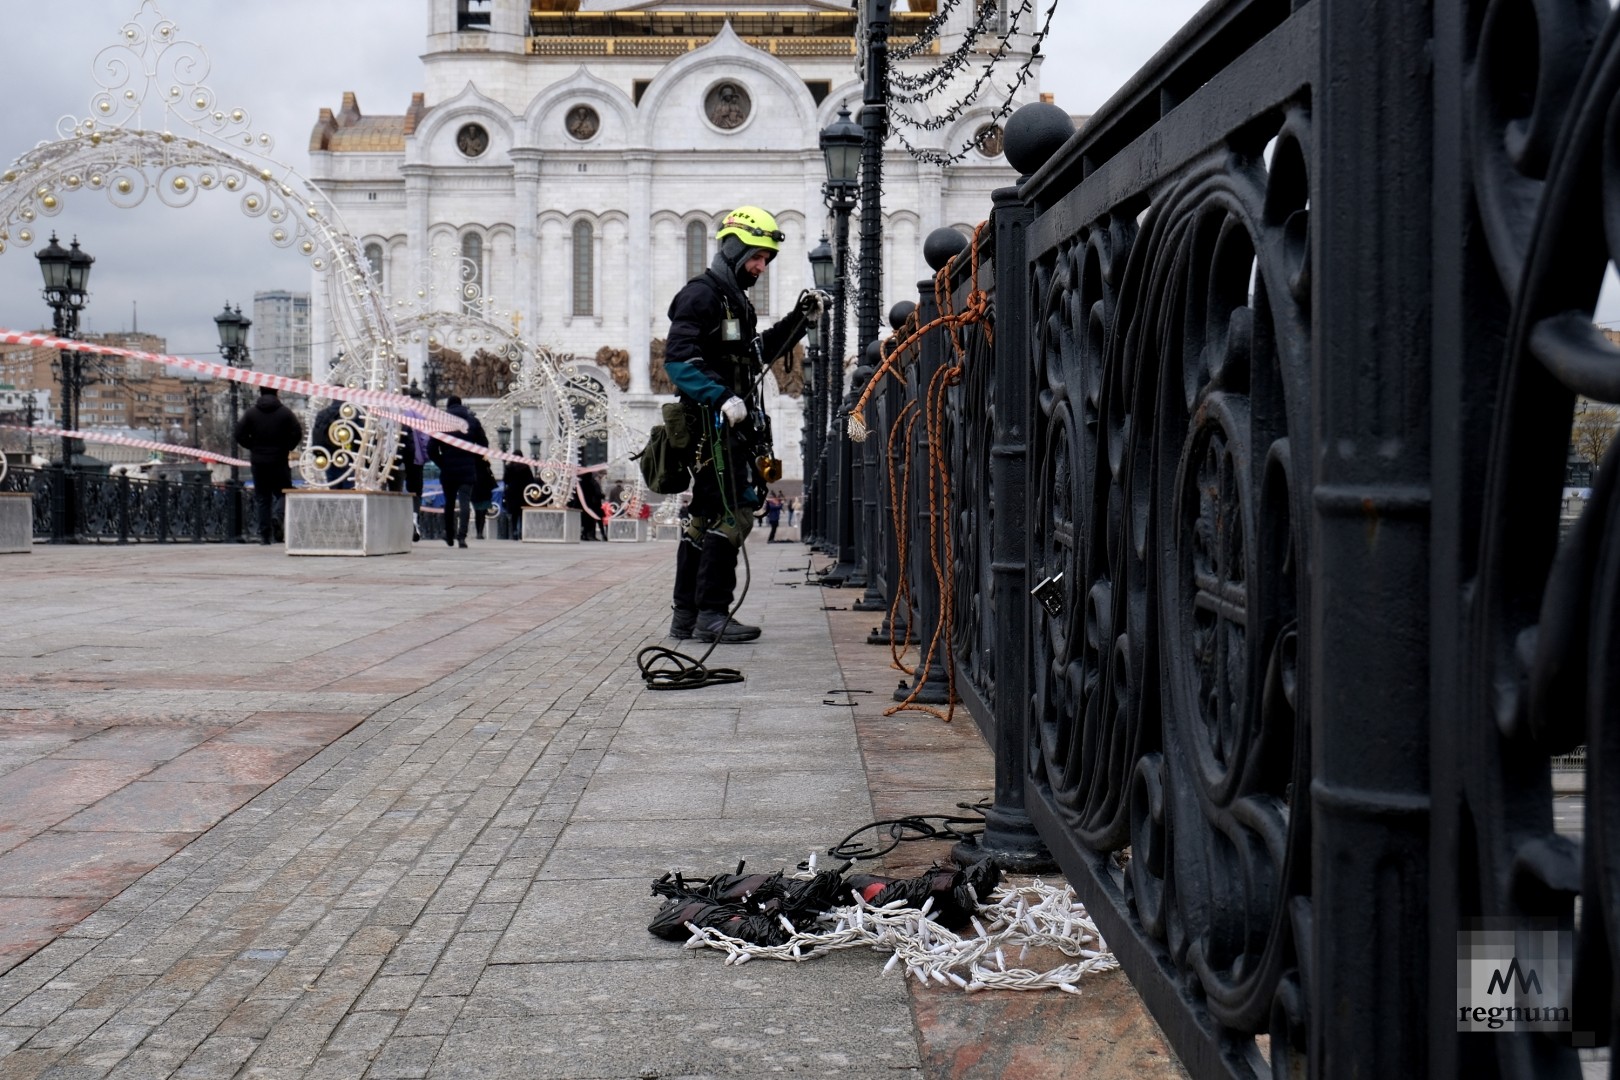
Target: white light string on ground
425 417
1035 915
125 440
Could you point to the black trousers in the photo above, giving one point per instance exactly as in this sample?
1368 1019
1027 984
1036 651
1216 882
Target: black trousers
270 479
457 508
721 517
705 573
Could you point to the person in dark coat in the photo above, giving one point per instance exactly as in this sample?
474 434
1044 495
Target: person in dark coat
458 471
772 515
590 513
517 477
269 431
414 453
320 435
715 357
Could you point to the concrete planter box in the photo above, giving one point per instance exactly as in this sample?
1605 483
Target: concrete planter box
542 526
348 522
16 522
667 532
626 530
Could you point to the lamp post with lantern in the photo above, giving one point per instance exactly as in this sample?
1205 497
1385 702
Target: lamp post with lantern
817 377
841 143
67 289
233 331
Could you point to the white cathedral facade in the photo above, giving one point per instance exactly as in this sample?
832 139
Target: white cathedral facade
581 154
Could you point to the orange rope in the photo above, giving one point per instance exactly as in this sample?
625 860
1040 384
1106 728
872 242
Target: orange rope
941 547
978 306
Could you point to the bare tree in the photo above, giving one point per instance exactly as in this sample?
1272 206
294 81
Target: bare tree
1593 431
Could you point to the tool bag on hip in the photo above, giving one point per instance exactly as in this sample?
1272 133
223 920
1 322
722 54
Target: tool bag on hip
671 453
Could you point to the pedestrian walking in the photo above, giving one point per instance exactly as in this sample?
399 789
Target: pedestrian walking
772 515
269 431
414 447
792 509
516 479
321 436
590 507
458 471
714 357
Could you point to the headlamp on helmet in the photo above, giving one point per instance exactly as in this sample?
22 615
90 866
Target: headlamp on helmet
754 227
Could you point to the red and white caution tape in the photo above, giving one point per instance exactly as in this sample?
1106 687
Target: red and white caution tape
502 455
125 440
421 415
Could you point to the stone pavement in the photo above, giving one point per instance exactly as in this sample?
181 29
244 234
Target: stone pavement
397 817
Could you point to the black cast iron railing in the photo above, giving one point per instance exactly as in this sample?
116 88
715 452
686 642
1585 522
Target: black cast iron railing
121 509
1287 344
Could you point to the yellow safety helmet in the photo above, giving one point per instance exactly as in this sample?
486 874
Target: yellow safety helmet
754 227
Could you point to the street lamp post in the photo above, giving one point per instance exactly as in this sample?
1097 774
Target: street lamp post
823 273
874 128
67 289
67 279
194 398
233 329
841 147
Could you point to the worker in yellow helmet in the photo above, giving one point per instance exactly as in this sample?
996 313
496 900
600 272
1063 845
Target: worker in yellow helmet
716 357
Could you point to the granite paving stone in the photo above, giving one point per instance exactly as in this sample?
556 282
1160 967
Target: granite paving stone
399 817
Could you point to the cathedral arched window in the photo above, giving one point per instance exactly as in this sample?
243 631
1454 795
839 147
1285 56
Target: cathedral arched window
472 267
761 294
697 248
584 268
374 256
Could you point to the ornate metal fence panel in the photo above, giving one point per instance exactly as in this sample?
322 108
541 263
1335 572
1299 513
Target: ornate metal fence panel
969 414
44 485
119 509
1170 462
1306 310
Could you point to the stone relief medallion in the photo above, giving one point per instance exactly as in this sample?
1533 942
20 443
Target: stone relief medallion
989 140
472 140
727 105
582 122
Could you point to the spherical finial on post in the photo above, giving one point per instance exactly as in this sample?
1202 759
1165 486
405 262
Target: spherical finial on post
900 313
942 246
1034 133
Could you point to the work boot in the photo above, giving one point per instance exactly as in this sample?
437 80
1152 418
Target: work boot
715 626
682 623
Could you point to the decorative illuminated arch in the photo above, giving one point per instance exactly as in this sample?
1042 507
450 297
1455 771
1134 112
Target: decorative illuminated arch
194 145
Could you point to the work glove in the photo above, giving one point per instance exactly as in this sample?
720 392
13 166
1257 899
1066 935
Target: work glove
812 302
734 410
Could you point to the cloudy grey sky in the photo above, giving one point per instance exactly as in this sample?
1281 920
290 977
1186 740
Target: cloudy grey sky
282 62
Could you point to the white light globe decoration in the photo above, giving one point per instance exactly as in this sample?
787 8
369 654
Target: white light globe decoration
601 416
156 129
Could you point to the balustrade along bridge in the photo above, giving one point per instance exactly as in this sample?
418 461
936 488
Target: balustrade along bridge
1234 508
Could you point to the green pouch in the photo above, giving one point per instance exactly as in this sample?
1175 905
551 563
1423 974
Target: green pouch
666 462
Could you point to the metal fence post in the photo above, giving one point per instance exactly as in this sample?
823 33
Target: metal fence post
938 250
1009 834
1371 366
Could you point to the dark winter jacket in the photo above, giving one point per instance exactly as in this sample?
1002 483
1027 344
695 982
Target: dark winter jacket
517 477
703 365
269 431
458 466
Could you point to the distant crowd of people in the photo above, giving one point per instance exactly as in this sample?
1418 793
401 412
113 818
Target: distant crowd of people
271 432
